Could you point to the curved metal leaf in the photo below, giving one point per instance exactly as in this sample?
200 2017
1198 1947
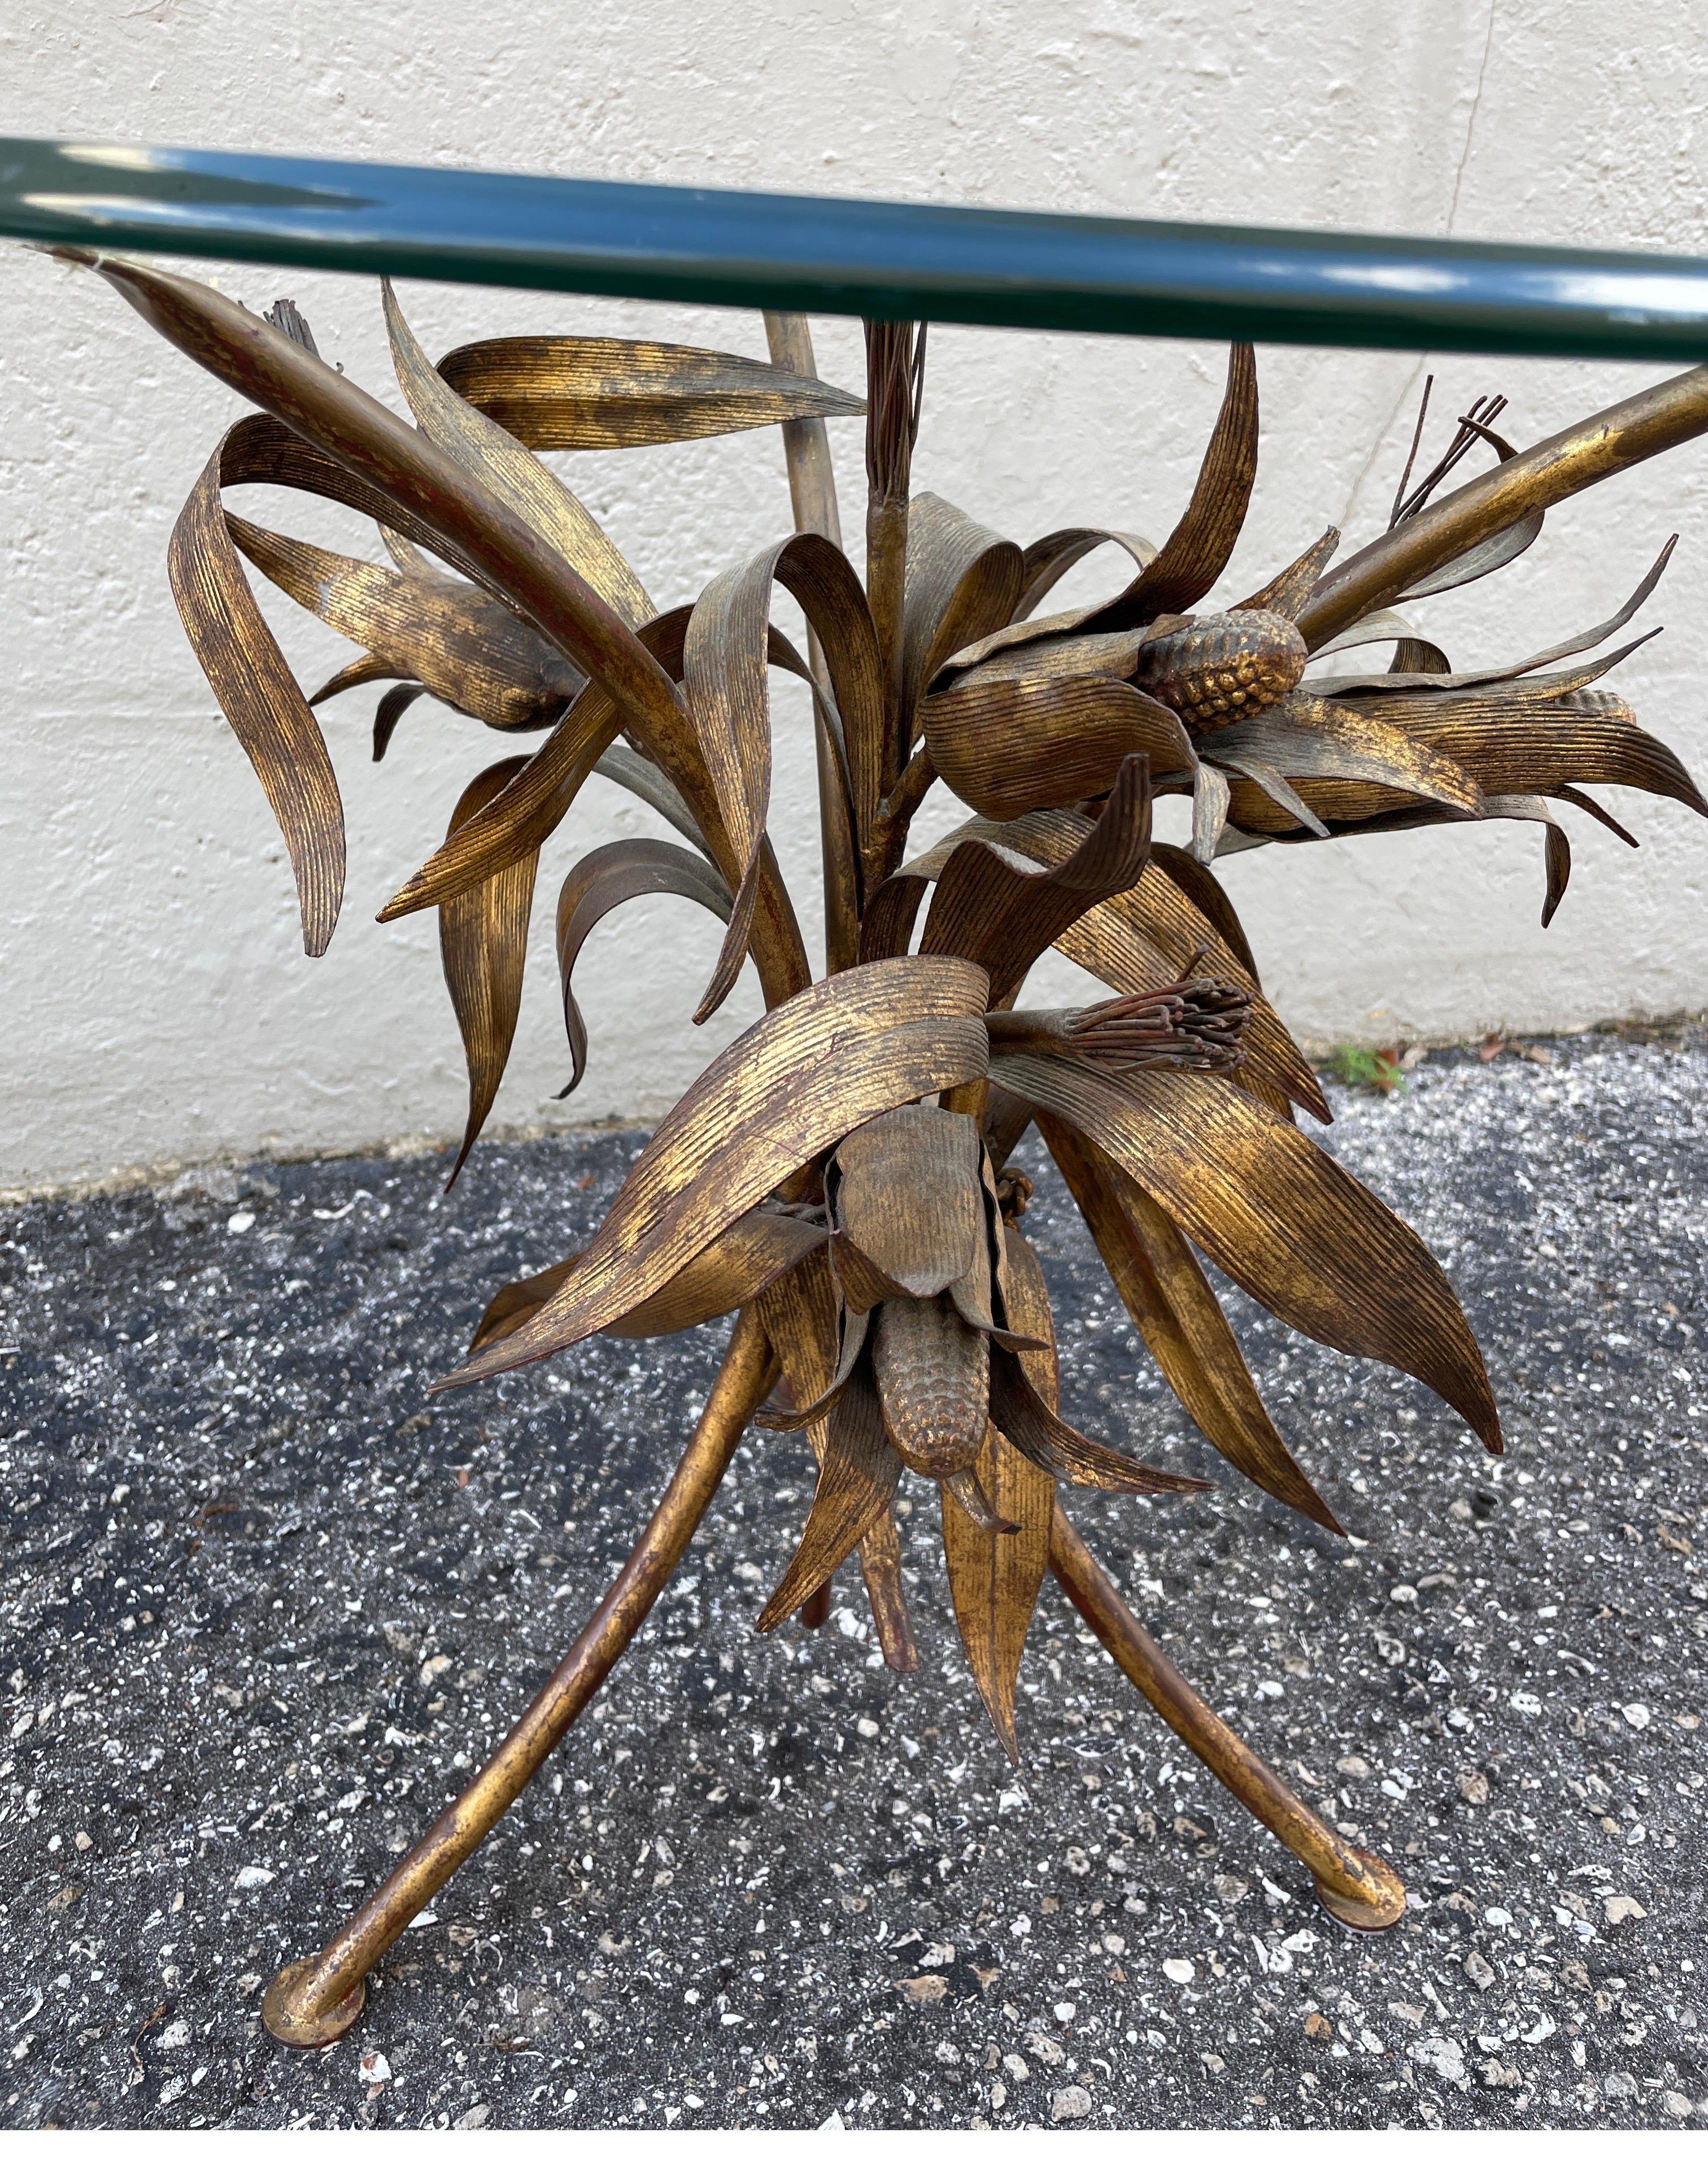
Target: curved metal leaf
1207 895
1047 559
728 644
962 582
1173 1305
1493 553
411 484
1297 1231
799 1315
788 1088
1200 546
995 1576
1304 738
1286 593
523 482
260 695
1511 746
1003 916
745 1261
857 1481
1021 1413
1397 682
388 711
571 391
1011 745
461 643
1149 935
483 945
608 875
642 779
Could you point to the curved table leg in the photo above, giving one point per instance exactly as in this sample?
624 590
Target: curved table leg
314 2000
1353 1884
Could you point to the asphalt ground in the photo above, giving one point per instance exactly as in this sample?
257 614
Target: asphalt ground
263 1608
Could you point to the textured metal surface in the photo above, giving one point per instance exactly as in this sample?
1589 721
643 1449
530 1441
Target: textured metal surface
896 261
314 1565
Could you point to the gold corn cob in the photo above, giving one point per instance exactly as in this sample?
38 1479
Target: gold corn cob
933 1383
1223 668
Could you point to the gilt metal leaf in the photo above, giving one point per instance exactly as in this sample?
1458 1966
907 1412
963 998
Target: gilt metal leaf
797 1081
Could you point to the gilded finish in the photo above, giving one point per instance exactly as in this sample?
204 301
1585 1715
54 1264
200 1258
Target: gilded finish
841 1176
314 2002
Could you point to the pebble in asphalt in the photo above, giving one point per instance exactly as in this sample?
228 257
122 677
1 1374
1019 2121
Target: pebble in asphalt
263 1608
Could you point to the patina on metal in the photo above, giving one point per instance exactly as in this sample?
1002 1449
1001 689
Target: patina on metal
842 1176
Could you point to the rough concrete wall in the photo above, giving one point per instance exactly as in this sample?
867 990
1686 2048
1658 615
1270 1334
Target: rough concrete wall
158 1003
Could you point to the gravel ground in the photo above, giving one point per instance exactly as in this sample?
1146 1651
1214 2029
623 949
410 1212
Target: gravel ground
263 1609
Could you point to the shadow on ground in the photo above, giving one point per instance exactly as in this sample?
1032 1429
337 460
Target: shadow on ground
263 1608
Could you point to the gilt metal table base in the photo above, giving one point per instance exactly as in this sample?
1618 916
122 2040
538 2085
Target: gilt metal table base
314 2001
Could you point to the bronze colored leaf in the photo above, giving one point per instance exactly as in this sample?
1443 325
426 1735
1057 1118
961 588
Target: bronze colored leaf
642 779
1047 559
1174 1307
1386 626
1206 894
1286 593
517 823
1307 739
1055 646
797 1082
507 468
1398 682
728 644
1276 788
469 650
1022 1414
483 945
995 1578
962 580
907 1196
432 497
259 695
1556 848
356 676
991 908
880 1563
403 476
388 711
1297 1231
799 1314
1149 936
608 875
1201 543
1602 817
570 391
1209 807
1011 745
1480 560
1499 684
962 1487
1512 746
857 1481
745 1260
523 816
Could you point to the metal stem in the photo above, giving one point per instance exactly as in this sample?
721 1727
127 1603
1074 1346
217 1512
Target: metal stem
813 498
1353 1885
314 2000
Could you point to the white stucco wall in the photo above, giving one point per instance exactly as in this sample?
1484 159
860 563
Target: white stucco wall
156 1003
